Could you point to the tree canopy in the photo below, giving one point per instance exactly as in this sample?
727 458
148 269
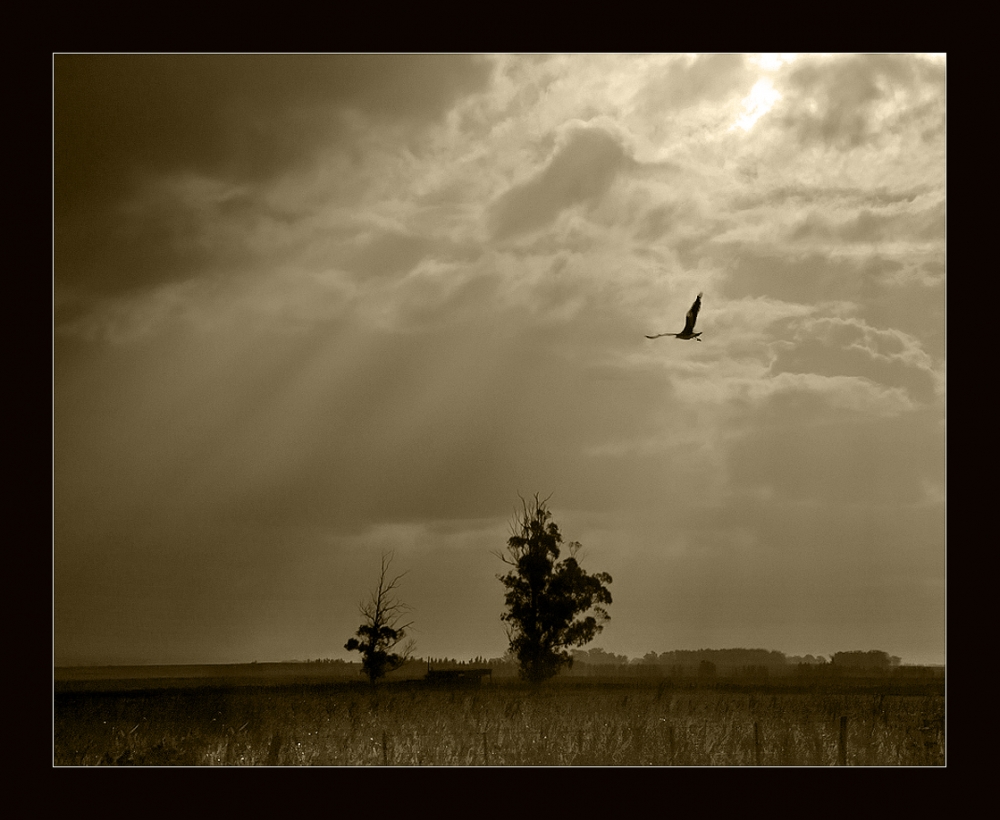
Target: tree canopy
552 604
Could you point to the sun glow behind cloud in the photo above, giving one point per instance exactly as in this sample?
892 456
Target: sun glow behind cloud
773 62
757 103
432 295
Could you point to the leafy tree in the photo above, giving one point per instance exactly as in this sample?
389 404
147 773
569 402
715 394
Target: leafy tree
548 599
382 629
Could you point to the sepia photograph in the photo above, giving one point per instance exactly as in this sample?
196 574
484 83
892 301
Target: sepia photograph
499 410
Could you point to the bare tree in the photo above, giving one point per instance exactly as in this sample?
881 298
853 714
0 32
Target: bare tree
383 628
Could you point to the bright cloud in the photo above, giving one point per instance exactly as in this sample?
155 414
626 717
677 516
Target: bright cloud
761 99
335 305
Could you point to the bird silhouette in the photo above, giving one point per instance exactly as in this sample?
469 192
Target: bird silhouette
688 332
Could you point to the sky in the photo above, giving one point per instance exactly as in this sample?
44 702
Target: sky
313 309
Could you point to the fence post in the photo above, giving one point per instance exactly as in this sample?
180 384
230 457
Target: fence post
756 743
274 753
486 753
671 733
385 750
842 742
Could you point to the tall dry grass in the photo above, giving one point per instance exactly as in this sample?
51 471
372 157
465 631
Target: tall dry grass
642 725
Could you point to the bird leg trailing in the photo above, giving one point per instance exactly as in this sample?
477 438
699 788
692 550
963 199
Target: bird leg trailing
688 332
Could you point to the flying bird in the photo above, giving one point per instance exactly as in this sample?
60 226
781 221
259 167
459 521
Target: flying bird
688 332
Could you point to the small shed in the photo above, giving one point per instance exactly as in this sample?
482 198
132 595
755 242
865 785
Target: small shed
463 678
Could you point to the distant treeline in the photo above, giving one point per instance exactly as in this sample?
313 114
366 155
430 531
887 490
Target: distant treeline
744 664
717 660
747 664
727 660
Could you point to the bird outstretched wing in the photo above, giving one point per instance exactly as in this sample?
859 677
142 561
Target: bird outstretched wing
688 332
692 316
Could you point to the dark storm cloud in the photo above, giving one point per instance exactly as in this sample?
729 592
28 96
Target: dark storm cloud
106 247
352 365
124 121
582 169
237 116
835 102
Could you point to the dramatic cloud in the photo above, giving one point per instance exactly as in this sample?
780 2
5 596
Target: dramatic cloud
847 102
583 167
308 309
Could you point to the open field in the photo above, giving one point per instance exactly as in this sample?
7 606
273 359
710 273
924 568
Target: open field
126 678
565 723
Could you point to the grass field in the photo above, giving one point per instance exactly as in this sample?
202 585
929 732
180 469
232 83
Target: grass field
561 724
